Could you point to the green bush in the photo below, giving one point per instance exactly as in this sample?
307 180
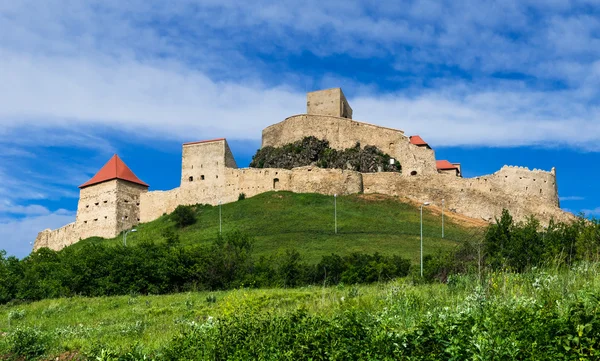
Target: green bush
241 196
183 216
28 343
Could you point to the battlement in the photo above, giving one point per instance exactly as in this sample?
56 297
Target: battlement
526 169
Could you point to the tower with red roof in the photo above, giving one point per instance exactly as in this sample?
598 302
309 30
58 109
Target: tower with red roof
109 202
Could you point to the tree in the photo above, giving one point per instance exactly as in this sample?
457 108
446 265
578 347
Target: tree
183 216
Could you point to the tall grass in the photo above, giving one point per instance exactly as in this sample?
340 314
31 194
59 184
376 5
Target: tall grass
539 314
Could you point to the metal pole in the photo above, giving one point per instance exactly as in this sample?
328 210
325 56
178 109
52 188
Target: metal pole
124 238
421 240
220 219
335 211
442 218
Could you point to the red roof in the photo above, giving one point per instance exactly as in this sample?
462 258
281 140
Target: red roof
114 169
417 140
205 141
444 164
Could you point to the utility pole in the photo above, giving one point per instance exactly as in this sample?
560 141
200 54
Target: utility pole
220 219
442 218
335 211
424 204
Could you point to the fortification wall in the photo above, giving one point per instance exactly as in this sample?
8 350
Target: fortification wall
344 133
156 203
513 188
57 239
250 181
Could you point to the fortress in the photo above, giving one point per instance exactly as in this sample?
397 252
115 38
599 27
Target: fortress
115 199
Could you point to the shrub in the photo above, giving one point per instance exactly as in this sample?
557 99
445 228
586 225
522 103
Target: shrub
183 216
241 196
28 343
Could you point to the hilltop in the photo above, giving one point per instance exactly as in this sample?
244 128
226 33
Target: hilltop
278 221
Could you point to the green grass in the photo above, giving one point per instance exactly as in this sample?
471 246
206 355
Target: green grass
118 323
278 221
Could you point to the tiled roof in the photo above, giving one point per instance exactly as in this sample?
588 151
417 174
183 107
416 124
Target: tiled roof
444 164
417 140
115 168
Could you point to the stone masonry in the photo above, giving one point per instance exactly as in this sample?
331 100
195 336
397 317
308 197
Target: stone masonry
209 175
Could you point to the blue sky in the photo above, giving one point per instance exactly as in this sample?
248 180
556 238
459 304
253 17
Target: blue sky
486 83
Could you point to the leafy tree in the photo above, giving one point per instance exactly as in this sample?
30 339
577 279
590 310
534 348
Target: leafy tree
183 216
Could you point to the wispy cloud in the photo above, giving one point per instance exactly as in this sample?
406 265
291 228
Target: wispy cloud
17 235
571 198
591 212
153 70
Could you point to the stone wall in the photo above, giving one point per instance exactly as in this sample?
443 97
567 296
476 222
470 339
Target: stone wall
57 239
521 191
156 203
344 133
250 181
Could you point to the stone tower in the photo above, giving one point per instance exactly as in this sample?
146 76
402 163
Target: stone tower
331 102
109 202
203 168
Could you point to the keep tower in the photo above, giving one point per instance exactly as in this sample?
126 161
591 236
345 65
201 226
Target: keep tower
331 102
110 201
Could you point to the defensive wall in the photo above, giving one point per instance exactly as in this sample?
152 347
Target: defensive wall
521 191
208 178
110 204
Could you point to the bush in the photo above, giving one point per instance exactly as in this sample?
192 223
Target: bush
183 216
28 343
241 196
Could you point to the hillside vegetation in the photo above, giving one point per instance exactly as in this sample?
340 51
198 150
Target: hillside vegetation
521 292
280 221
537 315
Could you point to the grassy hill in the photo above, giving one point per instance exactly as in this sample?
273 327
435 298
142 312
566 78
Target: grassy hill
278 221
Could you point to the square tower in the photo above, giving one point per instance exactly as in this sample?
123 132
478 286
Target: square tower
109 202
330 102
203 162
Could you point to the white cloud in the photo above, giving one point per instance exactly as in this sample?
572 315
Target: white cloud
17 236
30 210
591 212
181 70
571 198
167 99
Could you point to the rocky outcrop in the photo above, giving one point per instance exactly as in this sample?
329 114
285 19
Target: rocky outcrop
311 151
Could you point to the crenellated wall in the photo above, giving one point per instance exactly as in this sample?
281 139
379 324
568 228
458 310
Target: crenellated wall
521 191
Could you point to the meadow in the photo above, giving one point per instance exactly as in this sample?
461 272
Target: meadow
541 314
